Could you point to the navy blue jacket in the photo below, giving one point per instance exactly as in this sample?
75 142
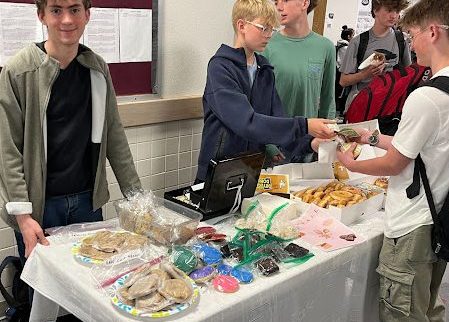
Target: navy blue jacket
238 118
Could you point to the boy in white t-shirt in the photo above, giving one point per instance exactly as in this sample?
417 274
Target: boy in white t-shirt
410 273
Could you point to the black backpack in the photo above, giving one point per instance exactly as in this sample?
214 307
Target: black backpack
440 231
364 39
18 302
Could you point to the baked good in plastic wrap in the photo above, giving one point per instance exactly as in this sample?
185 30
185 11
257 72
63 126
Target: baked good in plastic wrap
375 58
155 288
269 213
161 220
105 244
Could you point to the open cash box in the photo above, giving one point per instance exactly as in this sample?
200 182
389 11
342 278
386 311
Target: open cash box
228 181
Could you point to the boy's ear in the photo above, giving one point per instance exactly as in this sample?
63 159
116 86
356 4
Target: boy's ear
87 15
40 15
306 4
240 25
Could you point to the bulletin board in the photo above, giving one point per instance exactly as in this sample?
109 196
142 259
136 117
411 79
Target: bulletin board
129 78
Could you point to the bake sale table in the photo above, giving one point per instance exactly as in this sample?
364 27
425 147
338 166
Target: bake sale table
332 286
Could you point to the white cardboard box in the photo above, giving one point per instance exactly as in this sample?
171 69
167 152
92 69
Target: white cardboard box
350 214
304 171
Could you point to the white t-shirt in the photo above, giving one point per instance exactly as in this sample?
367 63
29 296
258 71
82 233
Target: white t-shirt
424 129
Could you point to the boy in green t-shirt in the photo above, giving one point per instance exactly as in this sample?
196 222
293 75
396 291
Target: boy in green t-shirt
242 110
304 63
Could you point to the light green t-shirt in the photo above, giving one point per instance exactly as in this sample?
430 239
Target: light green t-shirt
305 74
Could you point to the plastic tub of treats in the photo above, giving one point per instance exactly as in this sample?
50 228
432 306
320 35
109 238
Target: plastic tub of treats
163 221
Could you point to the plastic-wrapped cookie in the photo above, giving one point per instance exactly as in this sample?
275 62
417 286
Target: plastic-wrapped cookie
144 286
153 302
184 259
123 294
242 275
210 255
203 274
225 284
163 275
205 230
224 269
176 290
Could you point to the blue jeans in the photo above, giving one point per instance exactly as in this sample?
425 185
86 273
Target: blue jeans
63 211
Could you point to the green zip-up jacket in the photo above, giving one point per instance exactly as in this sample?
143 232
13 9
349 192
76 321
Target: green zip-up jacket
25 87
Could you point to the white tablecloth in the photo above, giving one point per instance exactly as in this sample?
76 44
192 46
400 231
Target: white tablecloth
335 286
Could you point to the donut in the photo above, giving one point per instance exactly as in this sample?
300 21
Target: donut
307 198
381 183
299 194
341 195
352 190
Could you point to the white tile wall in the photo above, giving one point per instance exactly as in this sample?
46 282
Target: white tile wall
165 156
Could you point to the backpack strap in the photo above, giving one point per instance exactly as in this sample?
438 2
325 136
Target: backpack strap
340 46
15 261
401 44
364 38
440 82
413 191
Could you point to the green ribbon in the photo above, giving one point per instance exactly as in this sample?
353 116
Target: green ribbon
274 214
251 208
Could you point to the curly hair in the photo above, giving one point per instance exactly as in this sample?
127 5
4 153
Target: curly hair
40 4
396 5
424 12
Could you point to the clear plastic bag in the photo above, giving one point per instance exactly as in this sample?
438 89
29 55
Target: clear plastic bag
274 223
75 232
161 220
117 266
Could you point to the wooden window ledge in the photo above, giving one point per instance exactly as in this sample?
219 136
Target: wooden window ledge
160 110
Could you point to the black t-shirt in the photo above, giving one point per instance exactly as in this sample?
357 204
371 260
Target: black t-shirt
69 127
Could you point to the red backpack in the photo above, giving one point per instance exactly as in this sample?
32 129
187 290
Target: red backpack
385 95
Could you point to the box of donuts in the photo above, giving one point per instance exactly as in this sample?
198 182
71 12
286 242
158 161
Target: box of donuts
372 182
345 202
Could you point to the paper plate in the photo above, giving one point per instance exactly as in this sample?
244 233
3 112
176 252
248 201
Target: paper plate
83 259
88 260
170 310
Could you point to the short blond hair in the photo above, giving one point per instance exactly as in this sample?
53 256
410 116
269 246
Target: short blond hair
253 9
425 12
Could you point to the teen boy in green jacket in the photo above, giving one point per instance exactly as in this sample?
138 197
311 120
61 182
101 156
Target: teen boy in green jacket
58 124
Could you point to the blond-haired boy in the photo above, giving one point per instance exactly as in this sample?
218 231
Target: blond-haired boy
242 110
410 272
